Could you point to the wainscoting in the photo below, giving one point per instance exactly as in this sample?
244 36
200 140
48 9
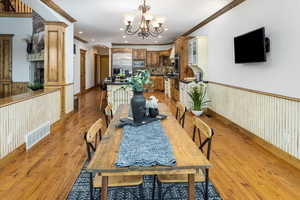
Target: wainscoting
19 118
274 119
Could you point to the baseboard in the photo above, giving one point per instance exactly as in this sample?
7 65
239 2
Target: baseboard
261 142
12 155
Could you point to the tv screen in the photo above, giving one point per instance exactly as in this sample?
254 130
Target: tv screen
250 47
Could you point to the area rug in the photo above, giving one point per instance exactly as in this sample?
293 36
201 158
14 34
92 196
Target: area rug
80 190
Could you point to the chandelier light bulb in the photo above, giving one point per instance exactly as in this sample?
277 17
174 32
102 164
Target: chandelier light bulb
129 17
148 16
160 20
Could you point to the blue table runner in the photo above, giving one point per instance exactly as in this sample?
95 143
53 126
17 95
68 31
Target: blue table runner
146 145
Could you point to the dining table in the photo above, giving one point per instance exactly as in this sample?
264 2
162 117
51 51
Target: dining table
189 159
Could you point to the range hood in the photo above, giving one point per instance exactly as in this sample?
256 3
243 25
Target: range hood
172 54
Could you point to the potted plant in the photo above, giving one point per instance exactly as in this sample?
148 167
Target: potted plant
35 86
138 102
152 106
198 95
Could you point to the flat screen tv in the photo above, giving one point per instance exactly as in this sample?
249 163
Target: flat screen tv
251 47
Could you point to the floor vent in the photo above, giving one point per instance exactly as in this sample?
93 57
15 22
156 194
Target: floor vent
37 135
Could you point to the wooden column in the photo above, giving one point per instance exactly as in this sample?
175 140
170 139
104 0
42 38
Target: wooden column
5 64
55 58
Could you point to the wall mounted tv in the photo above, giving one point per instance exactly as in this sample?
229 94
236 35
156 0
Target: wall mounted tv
251 47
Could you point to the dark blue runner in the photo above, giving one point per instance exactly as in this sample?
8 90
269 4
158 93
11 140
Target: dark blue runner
146 145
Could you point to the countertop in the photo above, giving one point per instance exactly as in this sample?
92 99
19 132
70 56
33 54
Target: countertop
25 96
116 83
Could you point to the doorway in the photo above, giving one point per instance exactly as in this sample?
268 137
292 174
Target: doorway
82 70
104 68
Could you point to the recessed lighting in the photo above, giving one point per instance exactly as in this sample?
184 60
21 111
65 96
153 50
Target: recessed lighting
124 36
166 29
121 29
159 36
126 41
156 41
93 40
80 32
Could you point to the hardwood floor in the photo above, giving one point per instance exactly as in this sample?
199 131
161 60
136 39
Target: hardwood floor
241 170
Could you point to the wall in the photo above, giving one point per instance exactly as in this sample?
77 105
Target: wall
89 66
280 73
274 119
21 28
148 47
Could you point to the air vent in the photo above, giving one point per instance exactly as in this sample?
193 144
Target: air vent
37 135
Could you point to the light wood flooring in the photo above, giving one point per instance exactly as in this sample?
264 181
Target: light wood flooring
242 170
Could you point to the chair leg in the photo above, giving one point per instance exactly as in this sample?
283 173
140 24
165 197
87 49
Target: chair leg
91 186
159 190
206 184
153 187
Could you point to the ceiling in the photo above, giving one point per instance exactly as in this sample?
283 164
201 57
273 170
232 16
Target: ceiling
101 20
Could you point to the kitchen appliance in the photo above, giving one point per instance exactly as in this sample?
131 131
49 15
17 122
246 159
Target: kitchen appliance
198 76
177 63
122 61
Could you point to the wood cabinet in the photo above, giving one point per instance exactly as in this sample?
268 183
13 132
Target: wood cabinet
173 90
153 58
5 65
181 48
165 52
139 54
157 82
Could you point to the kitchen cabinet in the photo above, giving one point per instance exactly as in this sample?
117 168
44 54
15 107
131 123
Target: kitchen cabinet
139 54
165 53
174 91
153 58
198 55
158 83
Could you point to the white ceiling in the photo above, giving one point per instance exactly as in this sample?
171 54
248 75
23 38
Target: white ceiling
101 20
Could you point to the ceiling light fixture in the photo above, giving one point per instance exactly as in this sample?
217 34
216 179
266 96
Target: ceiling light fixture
80 32
145 25
124 36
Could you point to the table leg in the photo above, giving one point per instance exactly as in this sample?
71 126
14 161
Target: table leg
104 188
191 179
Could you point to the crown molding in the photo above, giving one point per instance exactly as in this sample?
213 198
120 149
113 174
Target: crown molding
59 10
79 39
63 24
220 12
133 44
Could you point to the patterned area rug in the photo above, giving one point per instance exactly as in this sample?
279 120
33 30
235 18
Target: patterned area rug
80 190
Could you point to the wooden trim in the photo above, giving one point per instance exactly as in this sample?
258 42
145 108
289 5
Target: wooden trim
261 142
59 10
17 15
9 36
79 39
56 23
214 16
257 92
132 44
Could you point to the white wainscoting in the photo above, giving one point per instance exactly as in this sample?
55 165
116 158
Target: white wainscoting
18 119
276 120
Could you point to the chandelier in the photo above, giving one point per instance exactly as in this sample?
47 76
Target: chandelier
144 24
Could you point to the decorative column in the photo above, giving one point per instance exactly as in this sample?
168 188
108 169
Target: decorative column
54 69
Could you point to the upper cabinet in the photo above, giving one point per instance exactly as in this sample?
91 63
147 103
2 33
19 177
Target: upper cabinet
139 54
153 58
198 55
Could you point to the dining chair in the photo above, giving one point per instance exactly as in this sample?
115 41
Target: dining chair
202 176
92 138
103 100
108 114
180 113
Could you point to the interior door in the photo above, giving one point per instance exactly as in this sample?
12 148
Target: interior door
82 70
104 68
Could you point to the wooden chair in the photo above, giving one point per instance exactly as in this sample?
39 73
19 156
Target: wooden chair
103 100
91 139
180 113
206 132
108 114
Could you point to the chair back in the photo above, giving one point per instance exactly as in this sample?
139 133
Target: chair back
103 100
180 113
108 114
92 136
205 131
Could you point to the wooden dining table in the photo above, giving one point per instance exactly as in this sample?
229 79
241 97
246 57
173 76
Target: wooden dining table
189 159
